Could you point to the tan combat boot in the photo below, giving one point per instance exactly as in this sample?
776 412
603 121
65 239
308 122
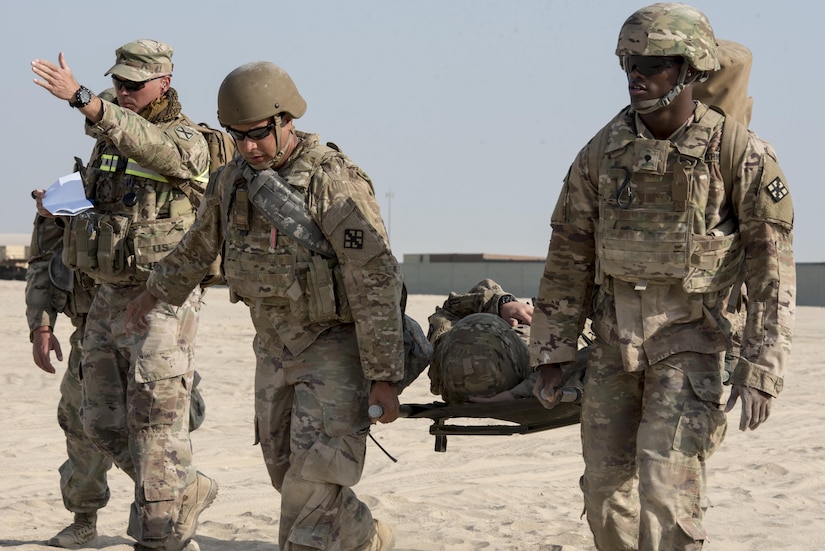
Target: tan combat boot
382 539
196 498
81 531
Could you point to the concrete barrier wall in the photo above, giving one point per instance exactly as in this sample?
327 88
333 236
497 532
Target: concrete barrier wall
522 277
810 284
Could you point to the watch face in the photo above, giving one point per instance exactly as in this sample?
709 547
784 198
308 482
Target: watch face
82 97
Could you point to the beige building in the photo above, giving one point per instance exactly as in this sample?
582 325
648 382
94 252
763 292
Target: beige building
439 274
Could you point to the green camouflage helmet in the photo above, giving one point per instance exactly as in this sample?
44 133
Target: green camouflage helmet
258 91
481 355
670 29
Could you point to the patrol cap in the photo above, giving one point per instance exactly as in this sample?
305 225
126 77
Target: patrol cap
141 60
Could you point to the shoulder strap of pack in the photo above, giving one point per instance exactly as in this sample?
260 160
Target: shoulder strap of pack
732 149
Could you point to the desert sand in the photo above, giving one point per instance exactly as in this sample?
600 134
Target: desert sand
496 493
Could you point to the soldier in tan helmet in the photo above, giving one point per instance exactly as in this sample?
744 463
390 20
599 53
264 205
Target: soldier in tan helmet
144 177
304 247
666 210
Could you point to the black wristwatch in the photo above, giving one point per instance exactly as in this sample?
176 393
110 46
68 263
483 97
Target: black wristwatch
82 98
504 300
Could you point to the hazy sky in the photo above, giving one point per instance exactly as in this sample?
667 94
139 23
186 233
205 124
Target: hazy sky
466 114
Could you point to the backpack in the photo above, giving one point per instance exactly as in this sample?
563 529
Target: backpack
221 150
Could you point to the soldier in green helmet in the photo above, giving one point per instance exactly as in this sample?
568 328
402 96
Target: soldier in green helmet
663 215
298 227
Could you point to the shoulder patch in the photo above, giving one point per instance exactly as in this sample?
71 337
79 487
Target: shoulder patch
353 239
184 133
777 190
773 200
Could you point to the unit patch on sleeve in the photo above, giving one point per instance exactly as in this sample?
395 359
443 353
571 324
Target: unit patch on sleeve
353 239
184 133
777 190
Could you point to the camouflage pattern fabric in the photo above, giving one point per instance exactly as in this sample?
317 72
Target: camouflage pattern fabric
137 218
136 398
641 328
83 481
485 378
670 29
312 425
324 330
480 356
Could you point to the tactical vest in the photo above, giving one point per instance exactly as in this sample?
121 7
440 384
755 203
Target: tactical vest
264 265
664 210
139 216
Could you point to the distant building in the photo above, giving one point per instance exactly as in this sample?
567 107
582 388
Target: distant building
439 274
14 259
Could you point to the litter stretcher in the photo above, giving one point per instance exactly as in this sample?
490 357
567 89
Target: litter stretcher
522 416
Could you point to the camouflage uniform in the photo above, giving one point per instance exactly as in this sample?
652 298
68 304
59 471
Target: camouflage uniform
324 330
83 475
649 240
136 389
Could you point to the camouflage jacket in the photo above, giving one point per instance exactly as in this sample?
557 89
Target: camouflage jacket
653 322
44 300
303 293
138 175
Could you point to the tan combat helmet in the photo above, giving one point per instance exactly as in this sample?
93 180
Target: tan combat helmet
258 91
669 29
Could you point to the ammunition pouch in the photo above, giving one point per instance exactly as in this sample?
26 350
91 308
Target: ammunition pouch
110 247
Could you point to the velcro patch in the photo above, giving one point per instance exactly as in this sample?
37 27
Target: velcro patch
184 133
777 190
353 239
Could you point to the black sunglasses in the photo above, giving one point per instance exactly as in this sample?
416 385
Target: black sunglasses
649 65
131 85
254 134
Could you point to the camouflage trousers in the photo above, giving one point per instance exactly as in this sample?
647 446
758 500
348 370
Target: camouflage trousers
83 480
645 438
136 394
312 425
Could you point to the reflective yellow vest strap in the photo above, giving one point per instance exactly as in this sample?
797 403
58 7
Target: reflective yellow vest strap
109 163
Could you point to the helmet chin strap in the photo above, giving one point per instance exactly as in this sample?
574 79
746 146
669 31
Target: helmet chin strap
279 143
643 107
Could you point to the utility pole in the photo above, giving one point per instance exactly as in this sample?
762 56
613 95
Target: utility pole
389 196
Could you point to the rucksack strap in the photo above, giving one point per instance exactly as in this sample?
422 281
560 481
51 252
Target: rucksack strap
732 149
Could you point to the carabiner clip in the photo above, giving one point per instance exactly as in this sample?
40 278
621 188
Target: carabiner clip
624 197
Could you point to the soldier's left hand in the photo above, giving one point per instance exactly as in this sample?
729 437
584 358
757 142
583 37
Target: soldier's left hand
756 406
57 79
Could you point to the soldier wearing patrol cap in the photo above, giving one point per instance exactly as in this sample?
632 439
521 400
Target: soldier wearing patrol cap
145 177
665 211
306 250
